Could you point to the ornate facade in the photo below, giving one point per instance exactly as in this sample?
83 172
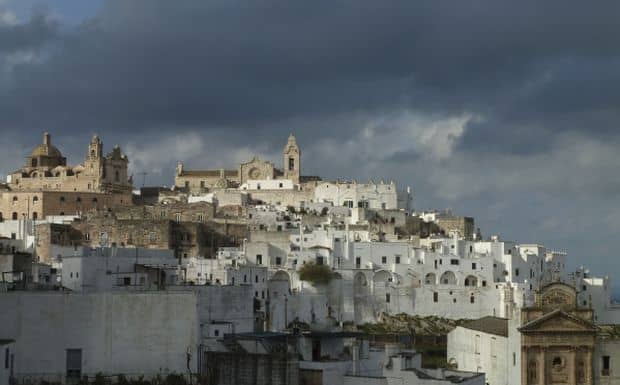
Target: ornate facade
256 169
46 169
46 185
558 339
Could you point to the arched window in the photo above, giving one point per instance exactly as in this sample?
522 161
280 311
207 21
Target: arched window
35 198
117 176
35 216
62 199
14 215
15 198
94 200
78 199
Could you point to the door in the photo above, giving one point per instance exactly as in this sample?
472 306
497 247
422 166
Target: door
74 365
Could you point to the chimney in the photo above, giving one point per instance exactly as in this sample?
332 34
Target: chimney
46 139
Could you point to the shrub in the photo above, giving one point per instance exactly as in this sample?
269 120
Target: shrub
317 274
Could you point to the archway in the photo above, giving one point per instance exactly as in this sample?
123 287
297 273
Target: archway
448 278
430 279
471 280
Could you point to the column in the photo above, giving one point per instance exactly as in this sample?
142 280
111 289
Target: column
541 367
524 363
572 366
588 367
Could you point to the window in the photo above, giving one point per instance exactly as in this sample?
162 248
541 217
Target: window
94 200
435 297
516 272
35 216
15 199
484 283
278 260
454 261
358 262
256 279
477 344
35 199
387 297
245 278
177 217
78 199
514 359
397 259
14 216
259 259
319 260
280 185
187 184
202 184
6 358
126 281
216 333
605 367
473 265
291 164
472 299
384 260
62 199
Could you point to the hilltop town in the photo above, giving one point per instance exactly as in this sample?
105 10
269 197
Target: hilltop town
259 274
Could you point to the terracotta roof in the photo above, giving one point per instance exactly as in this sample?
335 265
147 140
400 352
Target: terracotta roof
490 325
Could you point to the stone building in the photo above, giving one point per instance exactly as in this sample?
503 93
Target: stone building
197 181
188 229
558 339
46 185
46 169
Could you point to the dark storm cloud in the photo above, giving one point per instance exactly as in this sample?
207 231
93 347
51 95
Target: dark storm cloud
147 64
33 34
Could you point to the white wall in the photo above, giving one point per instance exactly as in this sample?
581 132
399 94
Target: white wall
476 351
132 333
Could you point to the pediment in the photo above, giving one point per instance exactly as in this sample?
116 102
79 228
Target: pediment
558 321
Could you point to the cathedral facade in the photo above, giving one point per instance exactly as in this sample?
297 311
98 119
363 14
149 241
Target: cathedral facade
197 181
46 185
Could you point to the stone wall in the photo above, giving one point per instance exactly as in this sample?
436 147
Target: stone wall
40 204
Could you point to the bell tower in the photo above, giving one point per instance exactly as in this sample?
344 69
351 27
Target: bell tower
94 160
292 160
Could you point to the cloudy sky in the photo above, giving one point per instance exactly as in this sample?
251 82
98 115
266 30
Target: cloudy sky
506 111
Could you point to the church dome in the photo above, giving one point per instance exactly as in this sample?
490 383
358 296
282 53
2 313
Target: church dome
46 149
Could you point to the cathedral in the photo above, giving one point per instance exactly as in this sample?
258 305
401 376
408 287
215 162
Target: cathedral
46 185
196 181
46 169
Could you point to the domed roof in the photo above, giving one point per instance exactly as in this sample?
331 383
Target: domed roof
46 149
